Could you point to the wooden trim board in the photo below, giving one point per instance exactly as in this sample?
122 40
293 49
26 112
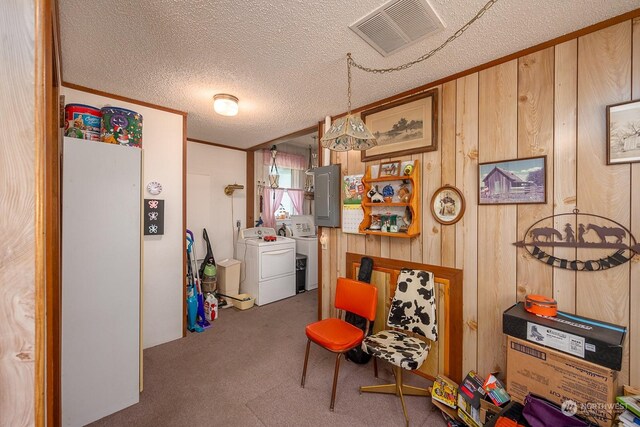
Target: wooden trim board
121 98
541 46
215 144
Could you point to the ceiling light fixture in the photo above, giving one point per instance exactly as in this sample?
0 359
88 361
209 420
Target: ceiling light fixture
350 132
225 104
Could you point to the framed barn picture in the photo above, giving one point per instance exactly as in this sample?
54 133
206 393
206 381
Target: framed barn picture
514 181
623 133
403 127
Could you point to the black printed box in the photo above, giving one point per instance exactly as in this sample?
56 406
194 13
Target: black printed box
589 339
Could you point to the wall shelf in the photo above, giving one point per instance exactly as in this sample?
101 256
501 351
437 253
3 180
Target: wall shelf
371 208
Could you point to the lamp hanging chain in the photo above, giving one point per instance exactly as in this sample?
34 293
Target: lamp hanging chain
424 57
349 61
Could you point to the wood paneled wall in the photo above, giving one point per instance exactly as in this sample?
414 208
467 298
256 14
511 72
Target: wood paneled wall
550 102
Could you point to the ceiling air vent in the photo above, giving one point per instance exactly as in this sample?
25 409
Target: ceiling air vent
398 24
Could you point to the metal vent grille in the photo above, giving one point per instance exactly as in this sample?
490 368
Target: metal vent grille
398 24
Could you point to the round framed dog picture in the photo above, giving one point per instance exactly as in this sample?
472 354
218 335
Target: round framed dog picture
447 205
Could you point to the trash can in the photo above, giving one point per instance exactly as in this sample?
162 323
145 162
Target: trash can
228 276
301 273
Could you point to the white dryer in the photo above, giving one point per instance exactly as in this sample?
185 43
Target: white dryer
269 266
304 233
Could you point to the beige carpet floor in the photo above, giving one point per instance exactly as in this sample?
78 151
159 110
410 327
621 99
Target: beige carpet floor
245 371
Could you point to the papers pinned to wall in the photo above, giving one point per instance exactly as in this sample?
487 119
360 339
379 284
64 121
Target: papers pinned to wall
353 194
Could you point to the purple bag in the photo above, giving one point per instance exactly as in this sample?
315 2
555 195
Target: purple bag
540 413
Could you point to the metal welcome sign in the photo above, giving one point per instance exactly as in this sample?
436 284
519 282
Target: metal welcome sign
606 242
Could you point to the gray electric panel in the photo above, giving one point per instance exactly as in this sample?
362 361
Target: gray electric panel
326 197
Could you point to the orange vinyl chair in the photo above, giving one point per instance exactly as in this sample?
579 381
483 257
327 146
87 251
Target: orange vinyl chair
336 335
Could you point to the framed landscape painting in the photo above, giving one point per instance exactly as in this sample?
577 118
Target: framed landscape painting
403 127
623 133
513 181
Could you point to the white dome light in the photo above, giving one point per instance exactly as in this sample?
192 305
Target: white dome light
225 105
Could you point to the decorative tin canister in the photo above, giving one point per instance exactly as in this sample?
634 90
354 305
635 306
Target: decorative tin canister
121 126
82 121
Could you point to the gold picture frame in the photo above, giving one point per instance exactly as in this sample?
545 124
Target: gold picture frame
448 205
403 127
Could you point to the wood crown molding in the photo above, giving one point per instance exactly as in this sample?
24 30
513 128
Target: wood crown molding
541 46
284 138
215 144
121 98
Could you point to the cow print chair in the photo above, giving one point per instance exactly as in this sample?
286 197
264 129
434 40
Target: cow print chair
412 312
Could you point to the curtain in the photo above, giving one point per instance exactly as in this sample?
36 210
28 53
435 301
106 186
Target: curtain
285 160
297 198
271 205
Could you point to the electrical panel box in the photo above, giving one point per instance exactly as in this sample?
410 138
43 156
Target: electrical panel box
327 196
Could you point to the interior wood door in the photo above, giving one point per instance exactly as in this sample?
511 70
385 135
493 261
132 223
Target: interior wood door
101 199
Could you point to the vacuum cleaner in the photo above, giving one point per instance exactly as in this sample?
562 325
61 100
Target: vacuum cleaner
202 320
192 299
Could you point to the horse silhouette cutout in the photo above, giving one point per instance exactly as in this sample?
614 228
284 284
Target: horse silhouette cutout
604 232
546 232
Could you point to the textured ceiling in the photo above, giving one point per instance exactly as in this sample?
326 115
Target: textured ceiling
284 59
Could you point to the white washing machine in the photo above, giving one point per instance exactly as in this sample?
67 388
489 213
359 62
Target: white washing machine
269 267
303 232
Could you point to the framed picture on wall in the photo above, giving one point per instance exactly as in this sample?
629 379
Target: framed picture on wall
514 181
623 133
447 205
403 127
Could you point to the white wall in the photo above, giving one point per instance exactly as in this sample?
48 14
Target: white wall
209 170
162 141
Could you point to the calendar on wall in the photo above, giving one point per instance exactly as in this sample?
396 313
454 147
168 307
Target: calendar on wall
352 213
352 216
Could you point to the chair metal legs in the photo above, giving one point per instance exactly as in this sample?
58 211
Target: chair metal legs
335 381
306 359
398 388
335 373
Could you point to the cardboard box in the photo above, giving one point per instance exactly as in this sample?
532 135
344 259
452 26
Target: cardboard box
470 394
487 411
557 377
588 339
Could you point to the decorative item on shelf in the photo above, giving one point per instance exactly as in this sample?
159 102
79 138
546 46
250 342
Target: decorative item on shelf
121 126
407 219
514 181
376 222
387 193
447 205
82 121
375 196
389 223
404 193
395 212
393 224
373 171
623 132
408 169
389 169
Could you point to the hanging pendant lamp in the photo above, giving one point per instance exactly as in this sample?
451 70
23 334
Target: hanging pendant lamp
349 132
